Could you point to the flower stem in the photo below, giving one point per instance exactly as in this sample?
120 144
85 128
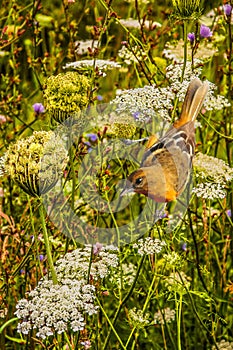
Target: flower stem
47 243
185 49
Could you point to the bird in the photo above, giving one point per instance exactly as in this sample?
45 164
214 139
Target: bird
167 162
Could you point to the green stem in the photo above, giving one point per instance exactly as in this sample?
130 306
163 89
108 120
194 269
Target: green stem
122 303
179 311
35 235
47 243
185 49
111 324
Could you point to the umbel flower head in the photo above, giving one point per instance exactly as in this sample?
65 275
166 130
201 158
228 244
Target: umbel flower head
23 162
185 9
212 176
66 94
53 308
122 125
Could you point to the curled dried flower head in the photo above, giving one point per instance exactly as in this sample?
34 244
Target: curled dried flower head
66 94
22 162
185 9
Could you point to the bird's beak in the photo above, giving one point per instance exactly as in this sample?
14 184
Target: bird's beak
128 189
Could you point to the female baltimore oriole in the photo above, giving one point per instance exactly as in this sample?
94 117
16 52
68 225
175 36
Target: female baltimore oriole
166 164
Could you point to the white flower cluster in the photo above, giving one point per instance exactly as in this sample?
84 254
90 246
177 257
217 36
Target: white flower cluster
76 264
174 73
178 282
213 174
209 190
55 308
82 46
224 345
102 65
134 23
52 308
149 246
173 259
138 318
124 276
135 55
165 316
144 103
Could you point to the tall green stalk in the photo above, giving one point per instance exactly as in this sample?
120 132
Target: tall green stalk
47 243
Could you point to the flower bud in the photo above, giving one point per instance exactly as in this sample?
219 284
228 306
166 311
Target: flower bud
66 94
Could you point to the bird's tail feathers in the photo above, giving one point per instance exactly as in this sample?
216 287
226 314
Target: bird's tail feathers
193 101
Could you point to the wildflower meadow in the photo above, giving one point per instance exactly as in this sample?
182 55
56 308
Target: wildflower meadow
83 85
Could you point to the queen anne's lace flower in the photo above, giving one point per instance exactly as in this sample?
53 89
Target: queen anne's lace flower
138 319
144 103
165 316
53 308
149 246
103 65
224 345
212 175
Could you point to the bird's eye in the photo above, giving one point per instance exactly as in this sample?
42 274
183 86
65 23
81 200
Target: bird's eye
138 181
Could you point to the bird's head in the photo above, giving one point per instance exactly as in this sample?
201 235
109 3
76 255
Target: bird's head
151 182
136 182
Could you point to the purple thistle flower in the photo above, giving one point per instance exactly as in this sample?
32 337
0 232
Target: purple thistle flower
38 108
191 37
227 9
92 137
229 213
205 32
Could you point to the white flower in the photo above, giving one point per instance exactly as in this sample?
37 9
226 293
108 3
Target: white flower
53 308
164 316
103 65
149 246
209 190
174 73
144 103
138 318
134 23
132 55
178 282
224 345
83 45
212 175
